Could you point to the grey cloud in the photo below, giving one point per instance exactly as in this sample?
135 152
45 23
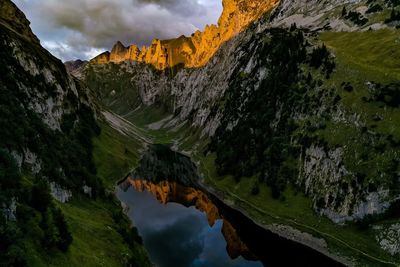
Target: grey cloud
98 24
176 245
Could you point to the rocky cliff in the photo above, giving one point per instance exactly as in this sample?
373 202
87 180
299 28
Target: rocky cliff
48 121
197 50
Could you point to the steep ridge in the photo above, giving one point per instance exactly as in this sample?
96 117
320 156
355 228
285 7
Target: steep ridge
13 18
194 51
48 121
332 15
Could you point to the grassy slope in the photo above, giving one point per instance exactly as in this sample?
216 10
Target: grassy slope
362 58
96 241
114 155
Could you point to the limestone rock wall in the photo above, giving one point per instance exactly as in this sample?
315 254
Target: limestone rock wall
197 50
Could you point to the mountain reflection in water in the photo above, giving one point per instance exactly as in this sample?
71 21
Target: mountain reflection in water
190 233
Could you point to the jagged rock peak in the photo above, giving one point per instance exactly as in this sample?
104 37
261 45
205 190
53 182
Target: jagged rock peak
194 51
15 19
118 47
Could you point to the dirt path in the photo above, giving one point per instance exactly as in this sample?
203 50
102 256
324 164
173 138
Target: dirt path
125 127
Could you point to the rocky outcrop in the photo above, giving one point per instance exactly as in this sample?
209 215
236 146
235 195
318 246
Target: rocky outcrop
200 47
335 190
74 65
197 50
60 194
9 211
103 58
388 238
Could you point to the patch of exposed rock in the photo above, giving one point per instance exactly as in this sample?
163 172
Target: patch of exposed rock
60 194
389 238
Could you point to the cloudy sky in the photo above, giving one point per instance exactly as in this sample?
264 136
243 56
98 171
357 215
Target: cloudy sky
73 29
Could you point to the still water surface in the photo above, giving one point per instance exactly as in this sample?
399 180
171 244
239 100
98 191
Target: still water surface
177 236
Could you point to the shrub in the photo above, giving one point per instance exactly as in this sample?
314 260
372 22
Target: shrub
9 177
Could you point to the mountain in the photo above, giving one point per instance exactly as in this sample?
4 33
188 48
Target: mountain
294 112
290 110
197 50
74 65
50 190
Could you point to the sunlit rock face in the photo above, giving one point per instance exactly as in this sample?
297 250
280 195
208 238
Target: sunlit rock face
103 58
167 191
194 51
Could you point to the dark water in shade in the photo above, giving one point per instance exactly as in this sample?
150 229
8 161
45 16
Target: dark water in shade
182 226
177 236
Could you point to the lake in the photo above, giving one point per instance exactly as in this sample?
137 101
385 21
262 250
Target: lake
183 226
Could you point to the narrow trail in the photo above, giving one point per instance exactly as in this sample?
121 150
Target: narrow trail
126 127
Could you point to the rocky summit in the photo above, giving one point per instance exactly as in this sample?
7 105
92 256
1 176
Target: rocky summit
197 50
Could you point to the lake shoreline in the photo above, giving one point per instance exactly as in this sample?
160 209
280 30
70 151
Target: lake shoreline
282 230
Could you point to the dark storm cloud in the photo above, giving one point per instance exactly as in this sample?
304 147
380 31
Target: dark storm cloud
82 27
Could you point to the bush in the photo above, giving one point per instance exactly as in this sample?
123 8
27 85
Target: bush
356 18
65 237
12 252
374 8
255 189
9 178
394 16
388 94
40 195
320 57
